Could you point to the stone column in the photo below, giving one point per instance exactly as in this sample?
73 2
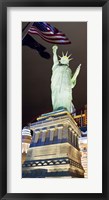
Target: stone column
36 136
44 132
70 134
55 137
73 138
52 129
76 140
60 128
65 133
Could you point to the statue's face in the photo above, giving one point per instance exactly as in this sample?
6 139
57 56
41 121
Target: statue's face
64 60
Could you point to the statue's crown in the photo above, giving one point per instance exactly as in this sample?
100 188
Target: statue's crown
65 57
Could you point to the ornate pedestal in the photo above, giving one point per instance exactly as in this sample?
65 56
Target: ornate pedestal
54 148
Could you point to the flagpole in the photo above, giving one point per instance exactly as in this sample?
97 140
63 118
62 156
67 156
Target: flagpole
26 28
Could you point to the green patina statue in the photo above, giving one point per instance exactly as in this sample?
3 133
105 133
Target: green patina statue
62 82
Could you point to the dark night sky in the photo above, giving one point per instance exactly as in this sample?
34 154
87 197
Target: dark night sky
36 71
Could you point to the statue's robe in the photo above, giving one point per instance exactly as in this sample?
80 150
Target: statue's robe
61 87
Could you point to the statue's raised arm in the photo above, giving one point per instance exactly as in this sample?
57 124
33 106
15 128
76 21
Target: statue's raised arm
55 57
75 75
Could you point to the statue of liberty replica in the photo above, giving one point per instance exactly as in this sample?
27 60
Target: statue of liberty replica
54 148
62 82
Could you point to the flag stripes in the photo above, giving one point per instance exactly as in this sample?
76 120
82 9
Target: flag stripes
48 33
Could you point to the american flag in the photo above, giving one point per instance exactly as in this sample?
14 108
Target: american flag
48 33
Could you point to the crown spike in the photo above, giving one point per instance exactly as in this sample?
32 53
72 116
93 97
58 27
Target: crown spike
60 57
70 59
69 56
62 53
66 53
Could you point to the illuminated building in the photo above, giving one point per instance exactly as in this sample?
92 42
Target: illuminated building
83 150
81 120
26 139
54 149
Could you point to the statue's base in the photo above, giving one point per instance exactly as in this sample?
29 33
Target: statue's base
54 150
57 160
